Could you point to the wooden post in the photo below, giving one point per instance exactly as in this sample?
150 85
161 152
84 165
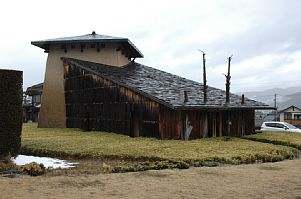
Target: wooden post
220 124
228 77
239 123
243 123
204 77
188 128
214 124
185 96
205 129
229 123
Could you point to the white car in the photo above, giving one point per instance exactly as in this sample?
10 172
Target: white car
279 126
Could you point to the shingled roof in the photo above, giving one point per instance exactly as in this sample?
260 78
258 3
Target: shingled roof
90 38
165 88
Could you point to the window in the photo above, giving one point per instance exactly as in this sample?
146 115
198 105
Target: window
287 116
274 125
297 116
291 126
270 124
280 126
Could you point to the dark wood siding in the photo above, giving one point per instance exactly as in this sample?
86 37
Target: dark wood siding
217 123
170 124
94 103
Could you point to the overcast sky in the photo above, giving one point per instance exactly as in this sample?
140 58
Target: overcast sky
264 36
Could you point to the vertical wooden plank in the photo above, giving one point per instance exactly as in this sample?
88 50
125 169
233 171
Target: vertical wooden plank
238 128
243 123
205 128
220 124
228 121
214 124
135 124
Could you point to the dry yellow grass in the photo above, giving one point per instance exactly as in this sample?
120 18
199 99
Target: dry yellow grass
75 143
278 137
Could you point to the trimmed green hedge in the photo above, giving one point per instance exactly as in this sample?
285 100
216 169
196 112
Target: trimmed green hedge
11 92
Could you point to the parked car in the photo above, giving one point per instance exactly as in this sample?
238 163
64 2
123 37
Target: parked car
279 126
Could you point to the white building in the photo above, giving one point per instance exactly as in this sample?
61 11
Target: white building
291 114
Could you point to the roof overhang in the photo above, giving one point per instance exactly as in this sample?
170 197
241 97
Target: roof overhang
123 42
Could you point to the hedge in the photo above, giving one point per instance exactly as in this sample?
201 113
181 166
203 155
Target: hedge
11 91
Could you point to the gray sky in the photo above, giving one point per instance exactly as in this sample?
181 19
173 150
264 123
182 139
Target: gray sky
263 35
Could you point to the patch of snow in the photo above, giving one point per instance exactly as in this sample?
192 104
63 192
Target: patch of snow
46 161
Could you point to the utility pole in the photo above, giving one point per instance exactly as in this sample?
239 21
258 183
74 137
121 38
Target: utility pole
204 77
275 106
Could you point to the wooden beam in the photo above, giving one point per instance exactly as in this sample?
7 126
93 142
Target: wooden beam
229 123
220 124
238 115
205 129
188 128
228 77
243 124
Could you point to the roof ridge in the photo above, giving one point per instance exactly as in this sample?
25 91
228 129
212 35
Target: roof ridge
76 36
288 108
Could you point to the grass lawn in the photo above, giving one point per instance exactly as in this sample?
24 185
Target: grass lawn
101 145
281 138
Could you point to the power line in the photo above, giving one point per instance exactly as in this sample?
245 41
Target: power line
267 82
271 95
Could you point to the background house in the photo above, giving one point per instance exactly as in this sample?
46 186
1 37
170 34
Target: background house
32 98
291 114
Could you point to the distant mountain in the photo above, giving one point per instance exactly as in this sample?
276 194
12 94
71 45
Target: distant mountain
293 99
285 96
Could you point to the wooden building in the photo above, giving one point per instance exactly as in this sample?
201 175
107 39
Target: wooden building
136 100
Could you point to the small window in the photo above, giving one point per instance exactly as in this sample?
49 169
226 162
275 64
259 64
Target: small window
287 116
280 126
270 124
297 116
